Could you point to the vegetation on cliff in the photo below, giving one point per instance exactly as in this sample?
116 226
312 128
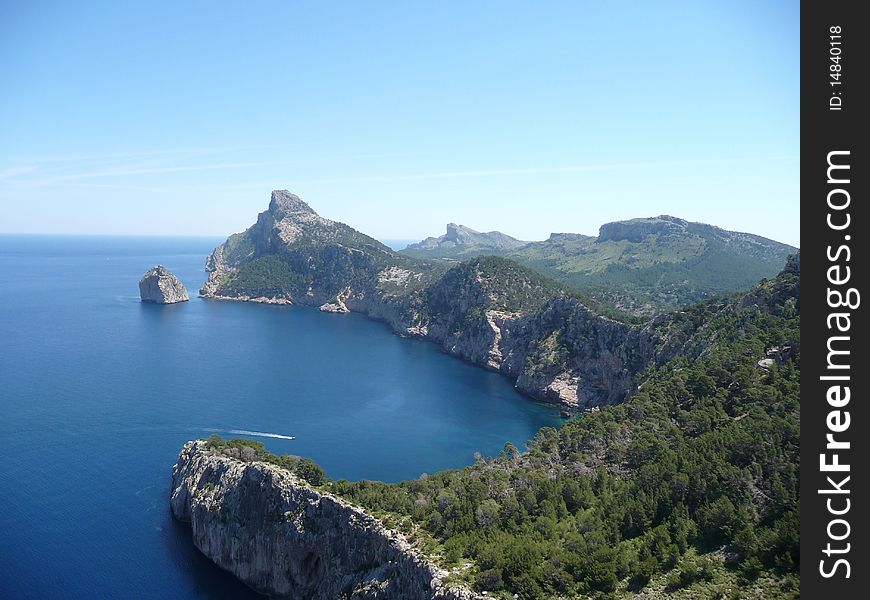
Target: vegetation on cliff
503 284
250 450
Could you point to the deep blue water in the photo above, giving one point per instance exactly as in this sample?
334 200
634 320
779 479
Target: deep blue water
98 393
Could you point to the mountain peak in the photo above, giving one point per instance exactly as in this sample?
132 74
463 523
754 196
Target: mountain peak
461 239
284 203
460 233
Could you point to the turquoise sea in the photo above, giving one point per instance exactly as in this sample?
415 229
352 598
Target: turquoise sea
98 393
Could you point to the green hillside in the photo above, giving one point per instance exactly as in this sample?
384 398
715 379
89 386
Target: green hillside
644 266
689 488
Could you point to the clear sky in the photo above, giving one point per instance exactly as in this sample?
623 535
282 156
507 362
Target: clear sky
398 117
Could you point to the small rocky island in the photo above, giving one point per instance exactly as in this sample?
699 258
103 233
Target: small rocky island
159 286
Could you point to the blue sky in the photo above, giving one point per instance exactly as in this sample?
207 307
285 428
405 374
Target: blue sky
397 117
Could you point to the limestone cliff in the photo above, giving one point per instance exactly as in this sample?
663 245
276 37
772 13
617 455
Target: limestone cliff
490 311
288 540
159 286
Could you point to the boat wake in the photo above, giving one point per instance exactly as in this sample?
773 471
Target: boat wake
278 436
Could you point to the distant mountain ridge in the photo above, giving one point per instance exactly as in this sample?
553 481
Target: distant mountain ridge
640 266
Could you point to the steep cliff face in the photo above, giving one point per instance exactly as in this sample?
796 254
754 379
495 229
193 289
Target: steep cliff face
570 355
495 313
489 311
288 540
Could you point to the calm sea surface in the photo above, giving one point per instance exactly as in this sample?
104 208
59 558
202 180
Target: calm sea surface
98 393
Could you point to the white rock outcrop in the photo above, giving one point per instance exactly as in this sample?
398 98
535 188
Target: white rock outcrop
159 286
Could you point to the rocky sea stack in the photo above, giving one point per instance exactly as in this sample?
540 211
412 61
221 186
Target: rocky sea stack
159 286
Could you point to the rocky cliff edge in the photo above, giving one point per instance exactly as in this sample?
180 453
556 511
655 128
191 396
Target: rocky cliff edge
288 540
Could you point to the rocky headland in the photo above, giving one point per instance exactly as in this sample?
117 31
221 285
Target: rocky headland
489 311
286 539
159 286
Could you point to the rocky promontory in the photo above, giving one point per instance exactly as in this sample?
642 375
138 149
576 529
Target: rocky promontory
489 310
159 286
286 539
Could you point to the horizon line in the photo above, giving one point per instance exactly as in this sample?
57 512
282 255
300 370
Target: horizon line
382 239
